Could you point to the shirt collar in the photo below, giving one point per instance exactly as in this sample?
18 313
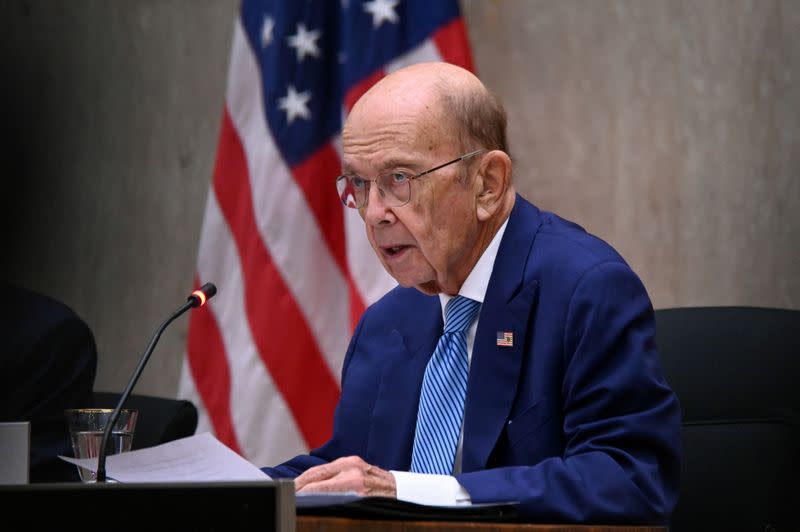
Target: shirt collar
476 283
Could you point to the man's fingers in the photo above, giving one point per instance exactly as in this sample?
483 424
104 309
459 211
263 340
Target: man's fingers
327 471
350 479
315 474
360 478
319 487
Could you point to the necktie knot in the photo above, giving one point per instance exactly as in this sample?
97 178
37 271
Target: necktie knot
459 313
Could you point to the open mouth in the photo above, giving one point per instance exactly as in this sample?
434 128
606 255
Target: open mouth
394 250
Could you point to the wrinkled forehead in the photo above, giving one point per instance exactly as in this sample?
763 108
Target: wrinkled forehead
395 124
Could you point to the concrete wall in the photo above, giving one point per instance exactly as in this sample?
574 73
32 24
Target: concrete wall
109 129
671 129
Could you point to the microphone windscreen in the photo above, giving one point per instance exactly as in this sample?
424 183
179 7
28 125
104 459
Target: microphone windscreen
209 289
203 294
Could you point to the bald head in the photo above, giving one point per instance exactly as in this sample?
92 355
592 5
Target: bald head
453 97
406 85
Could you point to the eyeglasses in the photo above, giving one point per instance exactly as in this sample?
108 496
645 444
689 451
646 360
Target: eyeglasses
393 187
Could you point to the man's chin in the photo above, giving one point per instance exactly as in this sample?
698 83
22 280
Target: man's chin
430 288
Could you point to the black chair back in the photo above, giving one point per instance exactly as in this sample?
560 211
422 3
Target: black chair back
736 371
161 419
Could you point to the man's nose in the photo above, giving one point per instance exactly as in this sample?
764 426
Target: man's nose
376 211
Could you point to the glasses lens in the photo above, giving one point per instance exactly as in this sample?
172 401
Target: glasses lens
395 188
352 190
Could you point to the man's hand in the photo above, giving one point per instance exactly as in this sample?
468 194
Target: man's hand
347 474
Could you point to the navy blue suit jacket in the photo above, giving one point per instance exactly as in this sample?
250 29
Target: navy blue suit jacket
575 420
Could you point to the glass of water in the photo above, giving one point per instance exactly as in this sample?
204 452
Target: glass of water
86 426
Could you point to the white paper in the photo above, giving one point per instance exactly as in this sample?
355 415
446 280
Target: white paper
198 458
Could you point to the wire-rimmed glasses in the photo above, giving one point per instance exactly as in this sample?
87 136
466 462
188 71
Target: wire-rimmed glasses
393 187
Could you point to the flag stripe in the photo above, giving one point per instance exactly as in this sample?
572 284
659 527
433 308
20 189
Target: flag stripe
250 382
209 367
318 186
423 53
316 178
274 316
294 241
453 43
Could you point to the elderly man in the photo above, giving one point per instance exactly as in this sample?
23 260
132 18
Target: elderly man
516 360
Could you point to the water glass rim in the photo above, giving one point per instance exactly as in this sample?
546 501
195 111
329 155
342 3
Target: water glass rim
96 410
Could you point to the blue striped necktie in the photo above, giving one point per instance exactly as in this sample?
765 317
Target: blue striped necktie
444 388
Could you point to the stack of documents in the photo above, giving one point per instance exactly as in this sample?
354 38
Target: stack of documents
198 458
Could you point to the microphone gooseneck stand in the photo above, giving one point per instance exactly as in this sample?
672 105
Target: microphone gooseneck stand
197 299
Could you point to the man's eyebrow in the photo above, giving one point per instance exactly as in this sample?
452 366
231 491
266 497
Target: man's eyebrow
385 166
395 162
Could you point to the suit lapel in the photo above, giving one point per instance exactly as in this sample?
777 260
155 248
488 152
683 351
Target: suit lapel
494 369
407 351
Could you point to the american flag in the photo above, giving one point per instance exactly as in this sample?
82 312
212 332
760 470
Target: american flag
293 266
505 338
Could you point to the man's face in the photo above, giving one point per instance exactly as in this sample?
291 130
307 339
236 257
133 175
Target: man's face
430 242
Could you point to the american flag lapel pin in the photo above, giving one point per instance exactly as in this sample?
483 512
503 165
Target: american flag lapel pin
505 338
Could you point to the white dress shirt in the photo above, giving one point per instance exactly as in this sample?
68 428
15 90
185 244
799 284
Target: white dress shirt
444 490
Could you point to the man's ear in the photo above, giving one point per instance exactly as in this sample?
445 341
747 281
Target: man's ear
494 179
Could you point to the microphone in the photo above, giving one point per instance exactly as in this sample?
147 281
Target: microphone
197 298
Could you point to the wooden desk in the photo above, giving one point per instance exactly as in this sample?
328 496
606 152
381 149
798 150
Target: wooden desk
308 523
